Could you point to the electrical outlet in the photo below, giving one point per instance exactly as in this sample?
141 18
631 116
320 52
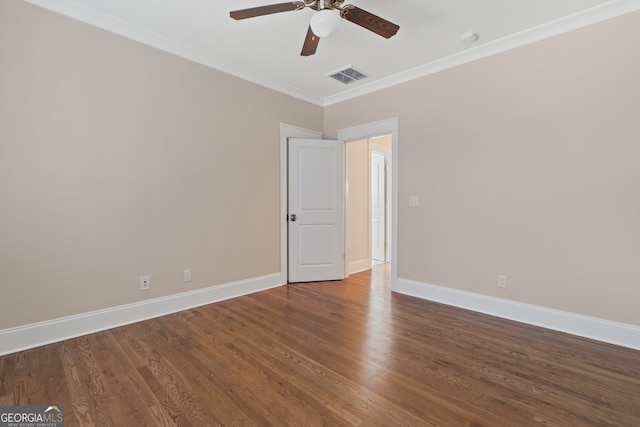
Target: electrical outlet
502 282
144 283
414 201
186 275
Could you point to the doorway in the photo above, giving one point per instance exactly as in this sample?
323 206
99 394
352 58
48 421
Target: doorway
368 202
365 131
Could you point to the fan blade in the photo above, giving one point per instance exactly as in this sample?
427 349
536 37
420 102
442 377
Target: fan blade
371 22
265 10
310 43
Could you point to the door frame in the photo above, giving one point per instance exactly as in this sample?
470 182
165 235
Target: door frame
369 130
364 131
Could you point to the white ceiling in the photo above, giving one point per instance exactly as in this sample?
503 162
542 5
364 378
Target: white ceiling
266 49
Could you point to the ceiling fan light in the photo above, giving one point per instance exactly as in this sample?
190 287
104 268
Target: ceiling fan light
325 22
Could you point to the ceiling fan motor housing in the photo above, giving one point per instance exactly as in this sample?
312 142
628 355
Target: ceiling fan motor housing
326 20
324 4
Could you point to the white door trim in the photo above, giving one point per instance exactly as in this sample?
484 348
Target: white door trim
286 132
370 130
364 131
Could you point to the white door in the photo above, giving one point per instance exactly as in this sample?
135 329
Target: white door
378 207
316 210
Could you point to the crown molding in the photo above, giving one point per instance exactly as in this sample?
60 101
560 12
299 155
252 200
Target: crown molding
608 10
578 20
90 16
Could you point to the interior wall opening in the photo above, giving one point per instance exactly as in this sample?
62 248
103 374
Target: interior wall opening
368 207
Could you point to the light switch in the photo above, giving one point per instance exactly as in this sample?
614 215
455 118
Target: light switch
413 201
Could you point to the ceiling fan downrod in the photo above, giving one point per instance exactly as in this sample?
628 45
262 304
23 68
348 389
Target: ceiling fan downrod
324 4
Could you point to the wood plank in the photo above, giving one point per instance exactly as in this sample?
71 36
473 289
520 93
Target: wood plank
341 353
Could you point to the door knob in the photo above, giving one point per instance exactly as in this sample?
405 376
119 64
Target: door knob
293 217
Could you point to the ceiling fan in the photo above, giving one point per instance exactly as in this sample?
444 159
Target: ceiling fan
325 21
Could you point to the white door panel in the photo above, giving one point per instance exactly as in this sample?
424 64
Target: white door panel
316 210
322 251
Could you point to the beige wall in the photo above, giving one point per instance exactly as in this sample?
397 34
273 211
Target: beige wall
526 164
381 144
357 223
118 160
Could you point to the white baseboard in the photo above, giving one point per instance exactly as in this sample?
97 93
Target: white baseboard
34 335
576 324
360 265
37 334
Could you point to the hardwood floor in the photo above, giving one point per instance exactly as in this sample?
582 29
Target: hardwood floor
345 353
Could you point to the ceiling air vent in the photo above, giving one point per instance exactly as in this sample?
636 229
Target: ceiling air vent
347 75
